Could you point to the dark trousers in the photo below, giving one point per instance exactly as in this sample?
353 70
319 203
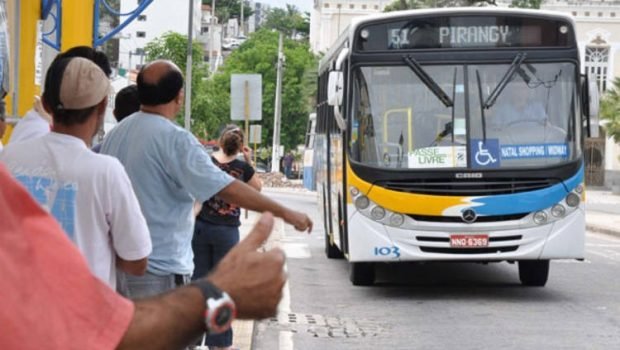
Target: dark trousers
210 243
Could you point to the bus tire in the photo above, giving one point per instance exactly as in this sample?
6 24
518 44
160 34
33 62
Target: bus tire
331 250
534 273
362 274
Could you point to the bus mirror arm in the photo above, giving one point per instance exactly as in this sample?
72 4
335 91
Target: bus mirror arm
591 103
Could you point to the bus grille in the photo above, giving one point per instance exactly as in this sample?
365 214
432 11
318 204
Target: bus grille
467 188
469 251
490 218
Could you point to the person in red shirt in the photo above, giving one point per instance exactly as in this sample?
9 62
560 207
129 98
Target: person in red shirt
50 300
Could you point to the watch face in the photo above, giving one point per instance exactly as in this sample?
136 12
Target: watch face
223 315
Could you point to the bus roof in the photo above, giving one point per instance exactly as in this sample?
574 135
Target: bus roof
349 31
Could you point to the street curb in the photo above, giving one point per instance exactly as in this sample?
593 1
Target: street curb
599 229
290 191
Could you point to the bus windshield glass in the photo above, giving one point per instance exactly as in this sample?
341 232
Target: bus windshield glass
398 122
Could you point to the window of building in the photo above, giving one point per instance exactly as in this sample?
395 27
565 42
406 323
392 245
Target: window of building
339 6
352 6
326 5
597 64
600 14
376 7
575 13
142 18
141 34
587 13
364 7
613 14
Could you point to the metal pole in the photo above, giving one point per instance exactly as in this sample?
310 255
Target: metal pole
278 111
188 68
129 69
211 28
241 23
246 110
15 48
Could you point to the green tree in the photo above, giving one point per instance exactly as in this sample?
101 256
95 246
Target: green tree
173 46
289 21
610 110
259 55
227 9
527 4
399 5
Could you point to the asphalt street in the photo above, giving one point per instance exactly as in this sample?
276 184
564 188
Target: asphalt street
441 305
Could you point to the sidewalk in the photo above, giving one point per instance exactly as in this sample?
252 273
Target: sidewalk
242 329
603 211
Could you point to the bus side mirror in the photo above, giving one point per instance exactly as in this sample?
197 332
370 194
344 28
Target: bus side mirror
591 105
594 104
335 89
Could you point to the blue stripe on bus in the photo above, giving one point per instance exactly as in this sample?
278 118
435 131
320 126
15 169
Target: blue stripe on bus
526 202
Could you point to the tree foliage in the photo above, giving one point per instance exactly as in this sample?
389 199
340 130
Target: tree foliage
227 9
399 5
289 21
259 55
173 46
610 111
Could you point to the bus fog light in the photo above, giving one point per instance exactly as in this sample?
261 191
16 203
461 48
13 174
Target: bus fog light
558 210
362 202
354 191
540 217
397 219
572 200
377 213
579 189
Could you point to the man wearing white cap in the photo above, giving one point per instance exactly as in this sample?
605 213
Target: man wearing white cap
89 194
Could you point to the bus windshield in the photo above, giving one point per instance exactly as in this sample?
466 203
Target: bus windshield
398 122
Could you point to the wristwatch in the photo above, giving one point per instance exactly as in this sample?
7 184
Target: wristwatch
220 308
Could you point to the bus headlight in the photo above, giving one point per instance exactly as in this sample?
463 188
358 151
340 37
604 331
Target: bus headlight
362 202
377 213
558 210
572 200
540 217
397 219
354 191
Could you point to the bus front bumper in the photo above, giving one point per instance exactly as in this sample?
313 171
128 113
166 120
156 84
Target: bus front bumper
370 241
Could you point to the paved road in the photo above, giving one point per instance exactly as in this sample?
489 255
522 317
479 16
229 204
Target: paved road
443 306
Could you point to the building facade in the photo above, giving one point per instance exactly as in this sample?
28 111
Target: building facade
598 36
330 17
156 20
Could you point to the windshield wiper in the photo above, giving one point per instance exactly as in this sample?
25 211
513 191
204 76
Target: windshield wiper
428 81
482 115
514 66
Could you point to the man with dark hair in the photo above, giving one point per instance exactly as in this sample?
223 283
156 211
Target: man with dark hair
36 122
170 170
89 194
126 102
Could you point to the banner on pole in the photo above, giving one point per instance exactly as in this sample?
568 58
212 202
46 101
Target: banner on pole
246 97
255 133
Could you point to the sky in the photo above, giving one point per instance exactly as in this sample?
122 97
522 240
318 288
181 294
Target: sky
303 5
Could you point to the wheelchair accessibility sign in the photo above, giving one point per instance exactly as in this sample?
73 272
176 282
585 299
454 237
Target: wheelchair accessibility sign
485 154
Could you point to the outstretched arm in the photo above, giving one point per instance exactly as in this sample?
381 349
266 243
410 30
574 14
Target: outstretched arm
245 196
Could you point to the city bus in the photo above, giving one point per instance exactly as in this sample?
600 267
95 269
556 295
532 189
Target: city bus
454 135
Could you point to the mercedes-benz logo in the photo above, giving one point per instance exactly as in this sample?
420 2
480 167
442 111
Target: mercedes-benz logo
469 216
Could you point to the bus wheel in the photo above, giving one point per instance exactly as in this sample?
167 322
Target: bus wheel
534 272
362 274
331 250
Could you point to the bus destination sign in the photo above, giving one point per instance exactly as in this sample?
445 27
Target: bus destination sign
464 32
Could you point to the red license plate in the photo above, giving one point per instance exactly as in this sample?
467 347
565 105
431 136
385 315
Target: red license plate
469 241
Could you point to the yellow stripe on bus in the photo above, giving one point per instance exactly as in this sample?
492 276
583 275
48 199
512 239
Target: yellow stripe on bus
402 202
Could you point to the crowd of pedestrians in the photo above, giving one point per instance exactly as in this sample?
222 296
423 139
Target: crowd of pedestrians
129 212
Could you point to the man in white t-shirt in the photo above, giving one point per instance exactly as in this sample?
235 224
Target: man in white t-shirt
89 194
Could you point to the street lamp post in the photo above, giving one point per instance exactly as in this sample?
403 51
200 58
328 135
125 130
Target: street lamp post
188 68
